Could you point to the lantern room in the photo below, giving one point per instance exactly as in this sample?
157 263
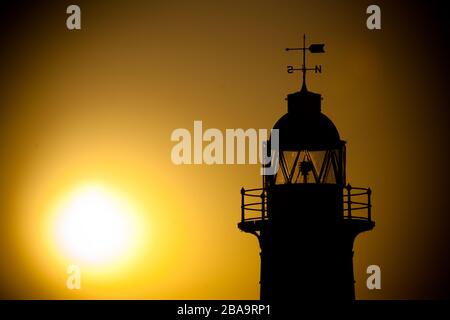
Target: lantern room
310 149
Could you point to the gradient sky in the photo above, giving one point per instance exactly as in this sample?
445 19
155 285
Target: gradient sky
100 105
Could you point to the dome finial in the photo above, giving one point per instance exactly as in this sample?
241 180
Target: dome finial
313 48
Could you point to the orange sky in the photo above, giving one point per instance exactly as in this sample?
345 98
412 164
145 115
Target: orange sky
100 105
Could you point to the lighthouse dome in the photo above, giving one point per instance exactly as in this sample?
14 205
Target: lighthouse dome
305 127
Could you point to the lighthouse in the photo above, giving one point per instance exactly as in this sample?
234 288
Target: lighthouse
306 216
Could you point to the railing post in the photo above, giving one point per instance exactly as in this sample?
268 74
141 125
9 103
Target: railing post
242 204
263 205
369 204
349 200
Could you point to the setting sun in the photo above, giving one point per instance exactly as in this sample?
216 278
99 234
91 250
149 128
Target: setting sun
94 225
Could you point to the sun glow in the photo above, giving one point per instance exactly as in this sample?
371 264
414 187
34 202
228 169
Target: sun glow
94 225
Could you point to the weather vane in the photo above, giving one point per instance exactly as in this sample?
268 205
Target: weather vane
313 48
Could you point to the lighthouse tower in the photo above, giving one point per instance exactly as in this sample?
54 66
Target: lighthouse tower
306 217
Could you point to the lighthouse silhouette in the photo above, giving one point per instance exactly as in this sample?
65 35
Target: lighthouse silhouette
306 217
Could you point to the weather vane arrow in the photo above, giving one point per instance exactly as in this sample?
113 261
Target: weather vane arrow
313 48
317 48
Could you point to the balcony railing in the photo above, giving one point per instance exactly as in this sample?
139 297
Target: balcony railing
357 199
356 204
253 204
